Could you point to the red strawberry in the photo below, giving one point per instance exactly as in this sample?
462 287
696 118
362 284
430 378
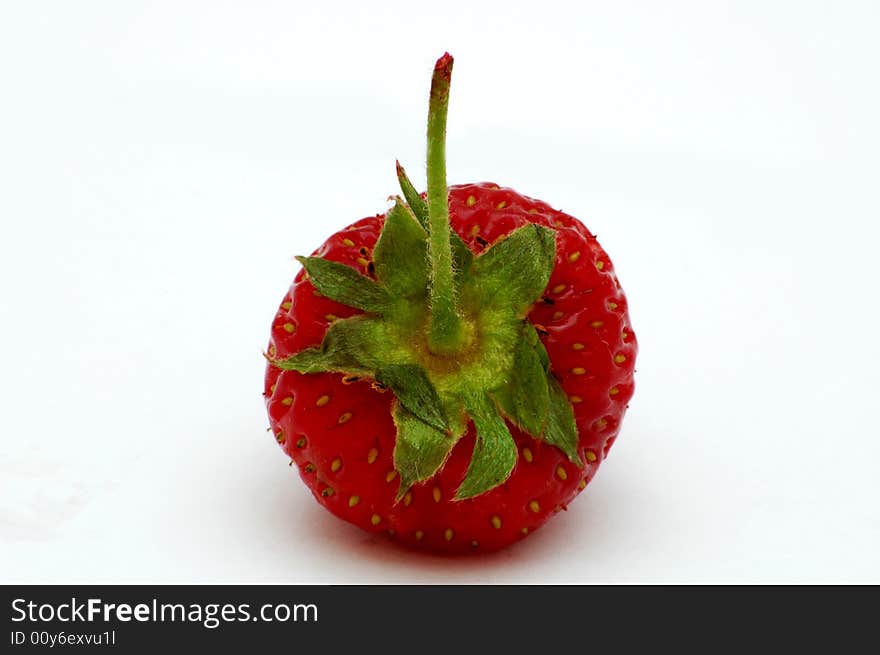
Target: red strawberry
453 389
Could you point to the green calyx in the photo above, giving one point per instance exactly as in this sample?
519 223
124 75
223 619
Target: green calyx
446 331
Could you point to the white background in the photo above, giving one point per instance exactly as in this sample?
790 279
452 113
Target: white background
161 163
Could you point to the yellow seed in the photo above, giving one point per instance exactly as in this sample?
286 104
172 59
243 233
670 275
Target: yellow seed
561 473
347 242
600 265
534 211
559 288
286 306
525 530
272 389
558 223
323 400
578 370
354 500
496 522
577 346
280 438
327 492
475 230
591 456
601 423
289 328
407 499
613 391
301 442
534 506
375 519
471 201
390 475
623 335
619 359
271 352
597 324
573 257
345 418
558 315
287 402
363 262
309 468
576 399
331 317
436 494
501 205
612 306
372 455
448 534
335 465
419 535
527 455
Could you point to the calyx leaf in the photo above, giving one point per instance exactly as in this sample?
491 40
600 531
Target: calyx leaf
494 453
514 272
462 257
400 255
414 200
561 430
525 399
344 284
349 346
415 392
420 449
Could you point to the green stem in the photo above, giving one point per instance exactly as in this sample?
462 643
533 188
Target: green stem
446 332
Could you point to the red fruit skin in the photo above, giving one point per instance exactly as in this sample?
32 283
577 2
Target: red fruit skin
340 434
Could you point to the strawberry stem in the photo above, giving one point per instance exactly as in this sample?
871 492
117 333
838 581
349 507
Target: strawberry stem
446 332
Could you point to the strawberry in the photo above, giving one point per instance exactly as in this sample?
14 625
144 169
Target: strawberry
453 372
